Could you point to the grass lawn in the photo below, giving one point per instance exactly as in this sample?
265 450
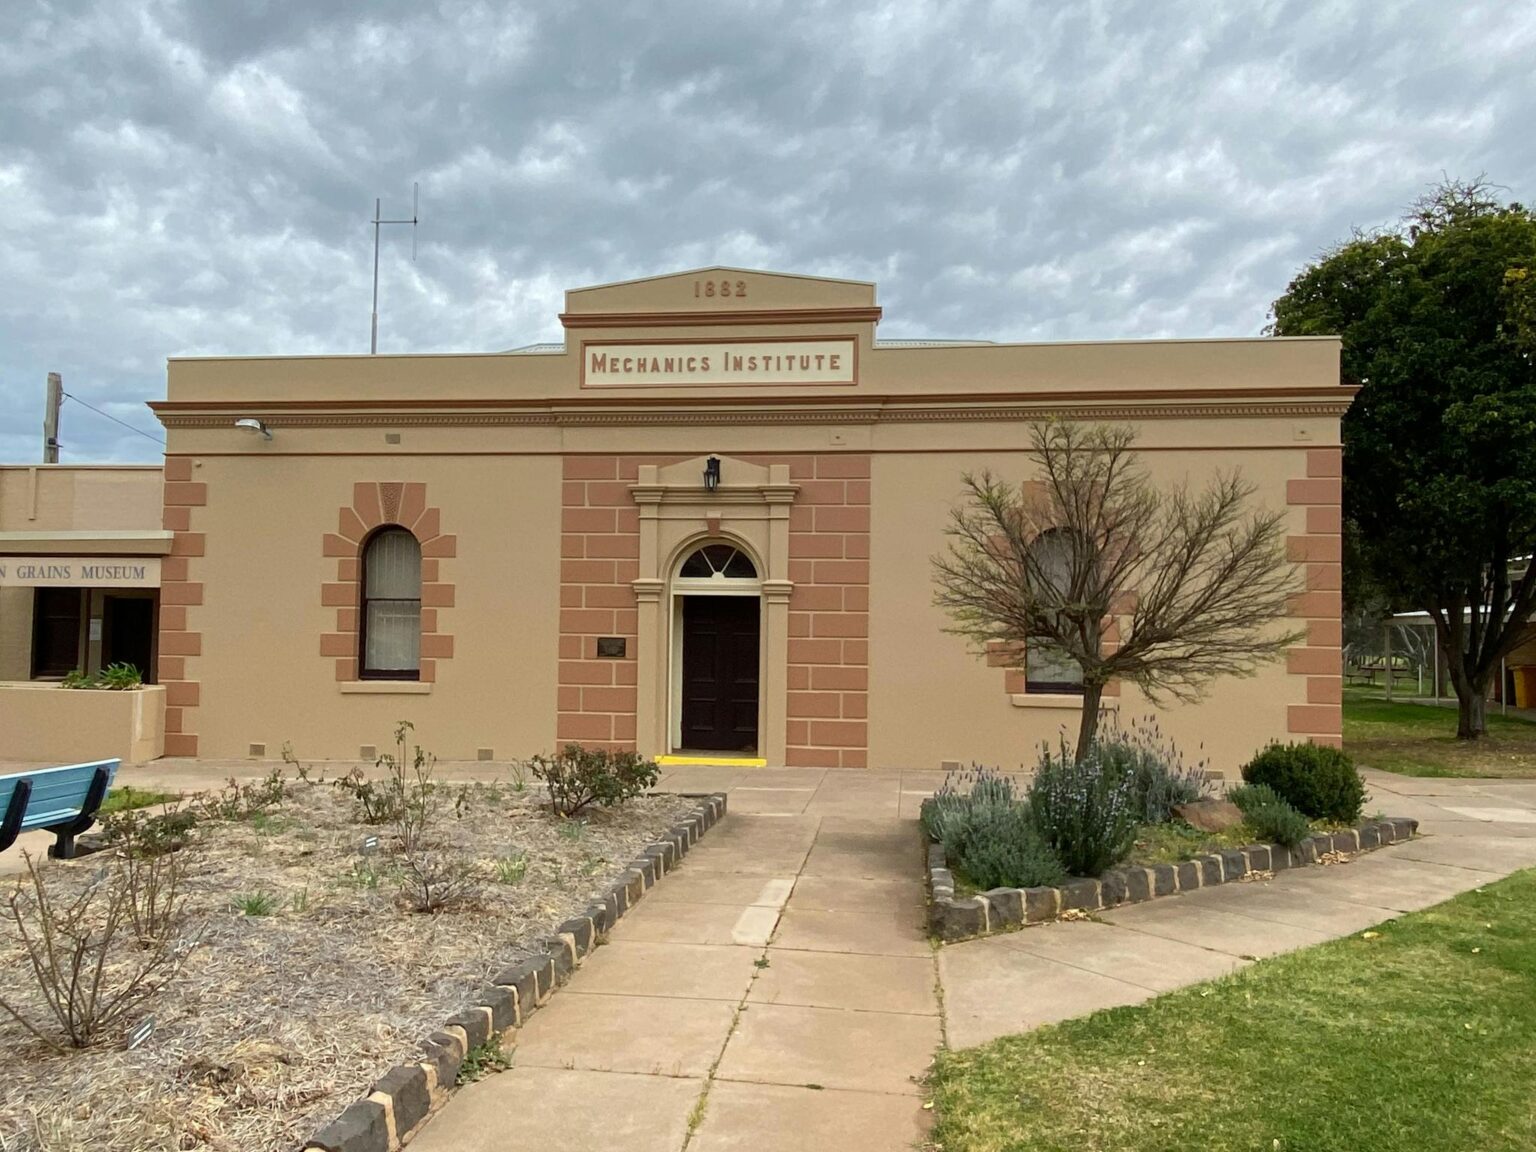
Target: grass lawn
1423 1037
121 799
1420 740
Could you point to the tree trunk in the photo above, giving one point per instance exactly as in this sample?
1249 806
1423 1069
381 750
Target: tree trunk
1472 712
1088 726
1471 687
1471 701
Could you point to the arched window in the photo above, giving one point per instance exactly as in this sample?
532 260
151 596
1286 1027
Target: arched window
718 562
391 609
1046 667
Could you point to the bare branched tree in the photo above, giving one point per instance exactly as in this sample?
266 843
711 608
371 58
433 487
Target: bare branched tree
1093 565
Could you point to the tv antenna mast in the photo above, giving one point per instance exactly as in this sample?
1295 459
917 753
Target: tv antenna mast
373 339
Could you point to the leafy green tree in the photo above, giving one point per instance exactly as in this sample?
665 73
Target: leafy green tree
1438 320
1095 566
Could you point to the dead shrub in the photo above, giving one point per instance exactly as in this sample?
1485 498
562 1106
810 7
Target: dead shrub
90 974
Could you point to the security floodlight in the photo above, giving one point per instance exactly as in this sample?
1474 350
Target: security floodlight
251 424
712 473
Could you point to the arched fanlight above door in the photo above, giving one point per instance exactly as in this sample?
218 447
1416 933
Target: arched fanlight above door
718 562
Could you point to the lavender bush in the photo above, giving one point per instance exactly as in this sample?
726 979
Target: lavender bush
997 846
962 791
988 837
1086 812
1156 765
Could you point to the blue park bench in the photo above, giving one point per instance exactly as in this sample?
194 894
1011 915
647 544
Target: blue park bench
62 800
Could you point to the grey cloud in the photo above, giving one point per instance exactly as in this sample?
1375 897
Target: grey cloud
181 177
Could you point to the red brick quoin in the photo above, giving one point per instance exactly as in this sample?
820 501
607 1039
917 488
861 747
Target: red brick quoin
828 706
180 598
599 560
375 504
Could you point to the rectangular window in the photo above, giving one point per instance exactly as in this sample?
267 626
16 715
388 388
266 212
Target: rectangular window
56 630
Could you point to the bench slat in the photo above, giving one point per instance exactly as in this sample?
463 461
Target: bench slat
57 793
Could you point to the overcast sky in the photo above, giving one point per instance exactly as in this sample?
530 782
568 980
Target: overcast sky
196 176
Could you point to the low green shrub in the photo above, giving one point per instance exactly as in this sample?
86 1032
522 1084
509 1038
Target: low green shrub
577 777
1318 781
1270 815
1086 811
996 846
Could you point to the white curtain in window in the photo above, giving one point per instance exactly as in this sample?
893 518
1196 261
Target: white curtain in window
392 590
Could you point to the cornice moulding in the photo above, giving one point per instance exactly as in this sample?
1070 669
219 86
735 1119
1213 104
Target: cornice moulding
1184 410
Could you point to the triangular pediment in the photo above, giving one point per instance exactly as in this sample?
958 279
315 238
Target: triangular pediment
720 289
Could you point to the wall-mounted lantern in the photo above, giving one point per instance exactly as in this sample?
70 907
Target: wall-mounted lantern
251 424
712 473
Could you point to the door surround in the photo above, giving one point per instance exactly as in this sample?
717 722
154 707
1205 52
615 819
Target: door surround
749 509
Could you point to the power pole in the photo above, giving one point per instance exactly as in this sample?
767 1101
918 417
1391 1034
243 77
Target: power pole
51 419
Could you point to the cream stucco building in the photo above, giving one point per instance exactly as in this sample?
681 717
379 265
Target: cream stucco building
703 523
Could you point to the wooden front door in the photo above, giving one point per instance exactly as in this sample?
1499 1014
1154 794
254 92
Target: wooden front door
720 638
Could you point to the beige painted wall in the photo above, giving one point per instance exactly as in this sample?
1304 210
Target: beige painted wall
70 725
79 497
16 633
262 677
919 673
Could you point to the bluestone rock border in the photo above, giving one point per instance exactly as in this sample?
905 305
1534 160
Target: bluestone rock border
1001 909
403 1098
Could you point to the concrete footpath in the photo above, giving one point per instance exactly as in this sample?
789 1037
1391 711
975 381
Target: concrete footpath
776 993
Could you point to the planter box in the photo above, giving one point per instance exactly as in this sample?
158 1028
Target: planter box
45 722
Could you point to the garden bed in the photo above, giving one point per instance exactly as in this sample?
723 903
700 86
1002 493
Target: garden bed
952 917
309 977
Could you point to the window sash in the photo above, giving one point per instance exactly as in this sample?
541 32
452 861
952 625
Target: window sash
393 567
392 637
1049 669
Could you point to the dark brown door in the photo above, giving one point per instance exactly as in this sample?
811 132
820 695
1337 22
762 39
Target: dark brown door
128 633
720 673
56 616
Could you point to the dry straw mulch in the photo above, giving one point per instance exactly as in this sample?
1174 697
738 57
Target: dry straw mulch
277 1022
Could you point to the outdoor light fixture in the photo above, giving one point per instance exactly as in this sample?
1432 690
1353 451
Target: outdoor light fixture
712 473
251 424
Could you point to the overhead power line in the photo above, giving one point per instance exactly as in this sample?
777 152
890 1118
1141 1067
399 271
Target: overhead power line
147 435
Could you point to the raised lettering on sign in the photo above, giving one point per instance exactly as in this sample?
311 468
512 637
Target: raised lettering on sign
812 361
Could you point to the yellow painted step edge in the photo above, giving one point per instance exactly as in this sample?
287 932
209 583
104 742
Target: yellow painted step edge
711 761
